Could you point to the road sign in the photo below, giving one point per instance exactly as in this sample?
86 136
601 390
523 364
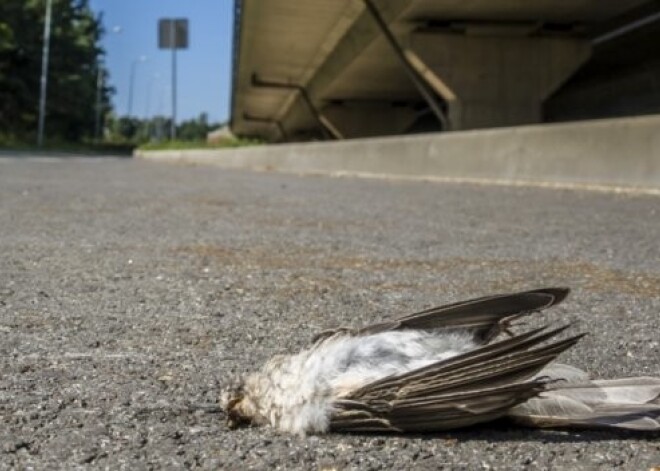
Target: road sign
173 33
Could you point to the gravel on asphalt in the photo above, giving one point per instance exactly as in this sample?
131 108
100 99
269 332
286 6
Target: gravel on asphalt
131 291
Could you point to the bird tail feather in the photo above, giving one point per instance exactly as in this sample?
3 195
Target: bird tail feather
630 403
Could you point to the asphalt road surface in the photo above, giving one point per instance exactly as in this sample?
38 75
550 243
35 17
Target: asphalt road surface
131 291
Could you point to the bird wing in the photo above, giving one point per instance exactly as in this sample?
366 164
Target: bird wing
486 316
467 389
629 403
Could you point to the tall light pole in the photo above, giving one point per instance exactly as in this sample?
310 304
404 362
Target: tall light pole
44 73
132 82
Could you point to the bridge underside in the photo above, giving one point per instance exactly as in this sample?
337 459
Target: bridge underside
333 69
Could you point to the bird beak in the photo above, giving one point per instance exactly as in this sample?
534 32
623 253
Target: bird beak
232 424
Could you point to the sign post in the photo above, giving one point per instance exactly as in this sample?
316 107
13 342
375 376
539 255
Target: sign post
173 34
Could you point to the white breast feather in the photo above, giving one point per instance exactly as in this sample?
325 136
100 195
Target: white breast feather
300 389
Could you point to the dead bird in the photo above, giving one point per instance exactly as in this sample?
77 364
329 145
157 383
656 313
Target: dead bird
440 369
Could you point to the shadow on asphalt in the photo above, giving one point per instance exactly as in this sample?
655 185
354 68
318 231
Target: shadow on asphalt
503 431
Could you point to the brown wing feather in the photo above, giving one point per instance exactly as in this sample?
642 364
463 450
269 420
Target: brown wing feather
471 388
485 316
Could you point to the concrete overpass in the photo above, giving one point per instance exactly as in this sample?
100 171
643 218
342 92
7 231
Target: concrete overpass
334 69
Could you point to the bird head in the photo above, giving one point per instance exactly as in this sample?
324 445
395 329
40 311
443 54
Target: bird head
238 408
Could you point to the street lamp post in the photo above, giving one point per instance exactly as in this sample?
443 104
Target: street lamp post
44 74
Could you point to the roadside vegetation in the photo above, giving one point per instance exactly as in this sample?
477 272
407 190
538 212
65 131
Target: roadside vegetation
8 143
76 68
186 145
79 114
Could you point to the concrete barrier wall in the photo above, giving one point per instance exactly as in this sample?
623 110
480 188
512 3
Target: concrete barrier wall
613 152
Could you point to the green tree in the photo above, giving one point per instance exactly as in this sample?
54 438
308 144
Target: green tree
75 63
195 129
125 129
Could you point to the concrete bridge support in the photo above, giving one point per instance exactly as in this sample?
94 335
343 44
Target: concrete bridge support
491 80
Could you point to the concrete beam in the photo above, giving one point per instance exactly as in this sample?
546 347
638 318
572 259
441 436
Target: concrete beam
287 41
432 99
362 32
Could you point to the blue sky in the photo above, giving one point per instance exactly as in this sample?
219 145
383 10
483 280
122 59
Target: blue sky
204 70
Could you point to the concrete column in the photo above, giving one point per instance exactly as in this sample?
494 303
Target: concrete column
494 81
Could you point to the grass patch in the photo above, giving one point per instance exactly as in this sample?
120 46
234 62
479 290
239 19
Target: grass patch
9 143
190 145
